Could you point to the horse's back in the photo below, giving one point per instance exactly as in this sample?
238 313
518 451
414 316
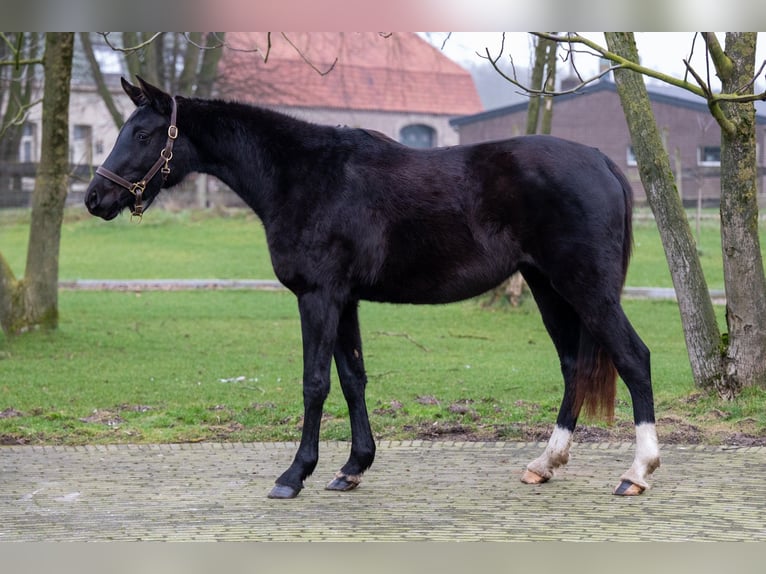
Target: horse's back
455 222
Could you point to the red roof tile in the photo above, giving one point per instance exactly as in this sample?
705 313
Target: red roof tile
364 71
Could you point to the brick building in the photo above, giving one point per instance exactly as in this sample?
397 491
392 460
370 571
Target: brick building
594 117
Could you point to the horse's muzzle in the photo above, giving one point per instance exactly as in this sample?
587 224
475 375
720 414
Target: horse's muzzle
101 203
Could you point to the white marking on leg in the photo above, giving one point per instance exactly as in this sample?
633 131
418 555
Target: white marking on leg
556 454
647 458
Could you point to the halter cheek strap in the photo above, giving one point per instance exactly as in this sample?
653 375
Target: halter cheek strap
161 165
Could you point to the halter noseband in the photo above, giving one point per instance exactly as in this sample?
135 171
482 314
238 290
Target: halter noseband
161 165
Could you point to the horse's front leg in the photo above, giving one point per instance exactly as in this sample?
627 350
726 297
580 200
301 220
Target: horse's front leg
319 324
353 380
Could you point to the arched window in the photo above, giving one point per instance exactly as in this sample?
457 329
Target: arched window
418 135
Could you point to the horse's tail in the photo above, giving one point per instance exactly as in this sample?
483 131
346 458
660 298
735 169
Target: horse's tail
595 373
627 231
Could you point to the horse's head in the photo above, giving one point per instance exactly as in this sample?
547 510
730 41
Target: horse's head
142 151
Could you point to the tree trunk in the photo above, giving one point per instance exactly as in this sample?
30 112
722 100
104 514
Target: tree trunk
536 82
703 340
17 100
209 69
98 77
543 74
192 57
550 86
33 302
132 60
742 262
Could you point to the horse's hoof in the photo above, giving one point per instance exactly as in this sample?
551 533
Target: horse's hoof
283 492
531 477
343 482
627 488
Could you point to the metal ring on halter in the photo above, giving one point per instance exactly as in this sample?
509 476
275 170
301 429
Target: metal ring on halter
137 189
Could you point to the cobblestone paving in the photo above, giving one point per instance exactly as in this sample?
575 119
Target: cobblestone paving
415 491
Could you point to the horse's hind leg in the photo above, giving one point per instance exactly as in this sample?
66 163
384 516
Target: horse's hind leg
353 380
606 321
563 326
631 357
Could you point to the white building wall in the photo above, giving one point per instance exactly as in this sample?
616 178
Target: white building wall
86 108
388 123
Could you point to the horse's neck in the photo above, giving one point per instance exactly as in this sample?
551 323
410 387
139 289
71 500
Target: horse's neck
246 148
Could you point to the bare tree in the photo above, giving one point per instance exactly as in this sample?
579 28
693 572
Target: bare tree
98 78
156 56
543 75
179 62
737 359
19 54
745 354
703 338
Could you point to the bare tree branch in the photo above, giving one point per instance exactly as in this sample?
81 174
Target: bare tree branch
702 88
309 62
131 49
446 39
219 44
20 117
545 91
18 63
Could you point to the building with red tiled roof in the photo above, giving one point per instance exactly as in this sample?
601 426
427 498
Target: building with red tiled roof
395 83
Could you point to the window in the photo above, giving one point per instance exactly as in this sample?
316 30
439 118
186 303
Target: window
631 156
709 155
27 151
81 149
417 135
81 132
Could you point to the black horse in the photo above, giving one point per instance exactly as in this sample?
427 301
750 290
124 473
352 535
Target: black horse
350 214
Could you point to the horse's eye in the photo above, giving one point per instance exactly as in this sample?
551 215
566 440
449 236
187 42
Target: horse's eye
142 137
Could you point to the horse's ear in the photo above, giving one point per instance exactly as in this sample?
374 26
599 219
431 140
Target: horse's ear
158 99
134 92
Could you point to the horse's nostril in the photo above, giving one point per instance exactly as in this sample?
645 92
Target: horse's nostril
91 199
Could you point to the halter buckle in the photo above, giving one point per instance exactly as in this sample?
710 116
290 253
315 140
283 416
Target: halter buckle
137 189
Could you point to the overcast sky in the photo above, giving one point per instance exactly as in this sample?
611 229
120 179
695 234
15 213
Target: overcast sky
663 51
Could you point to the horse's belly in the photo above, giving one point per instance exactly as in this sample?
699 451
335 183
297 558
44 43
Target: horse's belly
434 286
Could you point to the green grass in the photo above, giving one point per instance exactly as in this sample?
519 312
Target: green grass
648 267
226 365
201 365
232 245
165 245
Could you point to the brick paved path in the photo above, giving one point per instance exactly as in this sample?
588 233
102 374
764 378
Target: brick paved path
415 491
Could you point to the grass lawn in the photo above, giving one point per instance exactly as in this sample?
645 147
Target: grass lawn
226 365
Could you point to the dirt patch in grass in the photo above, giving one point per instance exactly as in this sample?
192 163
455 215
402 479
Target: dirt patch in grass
670 430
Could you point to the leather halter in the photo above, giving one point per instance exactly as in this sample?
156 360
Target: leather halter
162 165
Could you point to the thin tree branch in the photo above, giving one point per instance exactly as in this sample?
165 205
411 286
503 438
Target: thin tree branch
268 48
18 63
20 117
752 81
620 61
309 62
131 49
703 88
446 39
545 91
220 44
